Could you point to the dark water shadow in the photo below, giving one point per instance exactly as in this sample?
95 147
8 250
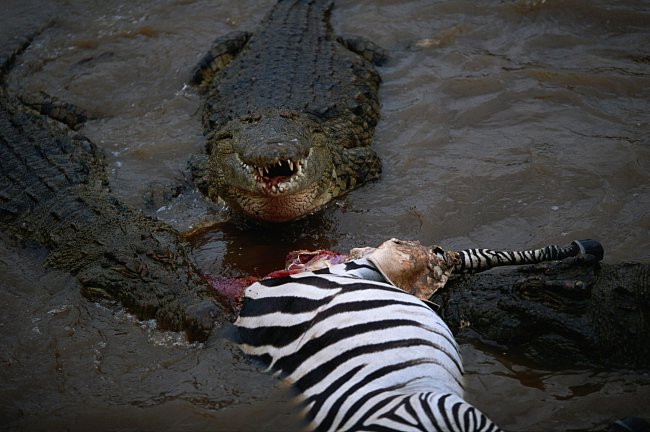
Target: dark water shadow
241 247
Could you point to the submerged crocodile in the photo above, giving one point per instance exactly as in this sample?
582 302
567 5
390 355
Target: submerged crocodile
556 315
289 113
54 191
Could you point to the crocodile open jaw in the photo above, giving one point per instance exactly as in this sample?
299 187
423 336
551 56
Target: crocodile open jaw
276 178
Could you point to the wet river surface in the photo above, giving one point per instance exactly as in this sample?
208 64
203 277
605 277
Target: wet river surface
505 124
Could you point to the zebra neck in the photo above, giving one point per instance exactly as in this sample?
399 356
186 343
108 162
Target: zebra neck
360 268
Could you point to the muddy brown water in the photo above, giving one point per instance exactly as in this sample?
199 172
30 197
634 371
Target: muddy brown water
505 124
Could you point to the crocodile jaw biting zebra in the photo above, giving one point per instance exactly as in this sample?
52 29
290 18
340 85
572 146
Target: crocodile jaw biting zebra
365 354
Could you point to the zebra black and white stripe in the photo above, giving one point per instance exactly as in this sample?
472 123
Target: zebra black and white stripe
478 260
363 354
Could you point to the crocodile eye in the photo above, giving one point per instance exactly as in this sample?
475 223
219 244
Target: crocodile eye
223 136
291 115
250 118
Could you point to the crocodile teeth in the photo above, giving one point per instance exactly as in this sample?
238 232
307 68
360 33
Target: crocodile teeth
284 171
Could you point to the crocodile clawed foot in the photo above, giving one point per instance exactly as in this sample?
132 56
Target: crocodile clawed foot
56 109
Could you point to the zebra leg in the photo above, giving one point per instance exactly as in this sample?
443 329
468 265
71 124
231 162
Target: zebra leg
421 270
478 260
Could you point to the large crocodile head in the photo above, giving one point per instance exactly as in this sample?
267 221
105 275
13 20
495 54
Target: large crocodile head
273 166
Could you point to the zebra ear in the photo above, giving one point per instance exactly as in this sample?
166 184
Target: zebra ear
416 269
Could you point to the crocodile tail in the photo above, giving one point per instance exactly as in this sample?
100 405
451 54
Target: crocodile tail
478 260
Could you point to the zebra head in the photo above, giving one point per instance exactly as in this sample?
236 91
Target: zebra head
416 269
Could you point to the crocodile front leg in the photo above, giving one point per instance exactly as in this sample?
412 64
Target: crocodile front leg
365 48
56 109
223 50
355 166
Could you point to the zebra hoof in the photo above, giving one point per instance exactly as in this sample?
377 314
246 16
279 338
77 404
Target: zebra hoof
590 247
629 424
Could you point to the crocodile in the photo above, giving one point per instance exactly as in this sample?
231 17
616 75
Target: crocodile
289 113
54 192
559 314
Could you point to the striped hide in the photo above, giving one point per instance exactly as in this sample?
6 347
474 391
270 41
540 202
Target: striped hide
363 354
